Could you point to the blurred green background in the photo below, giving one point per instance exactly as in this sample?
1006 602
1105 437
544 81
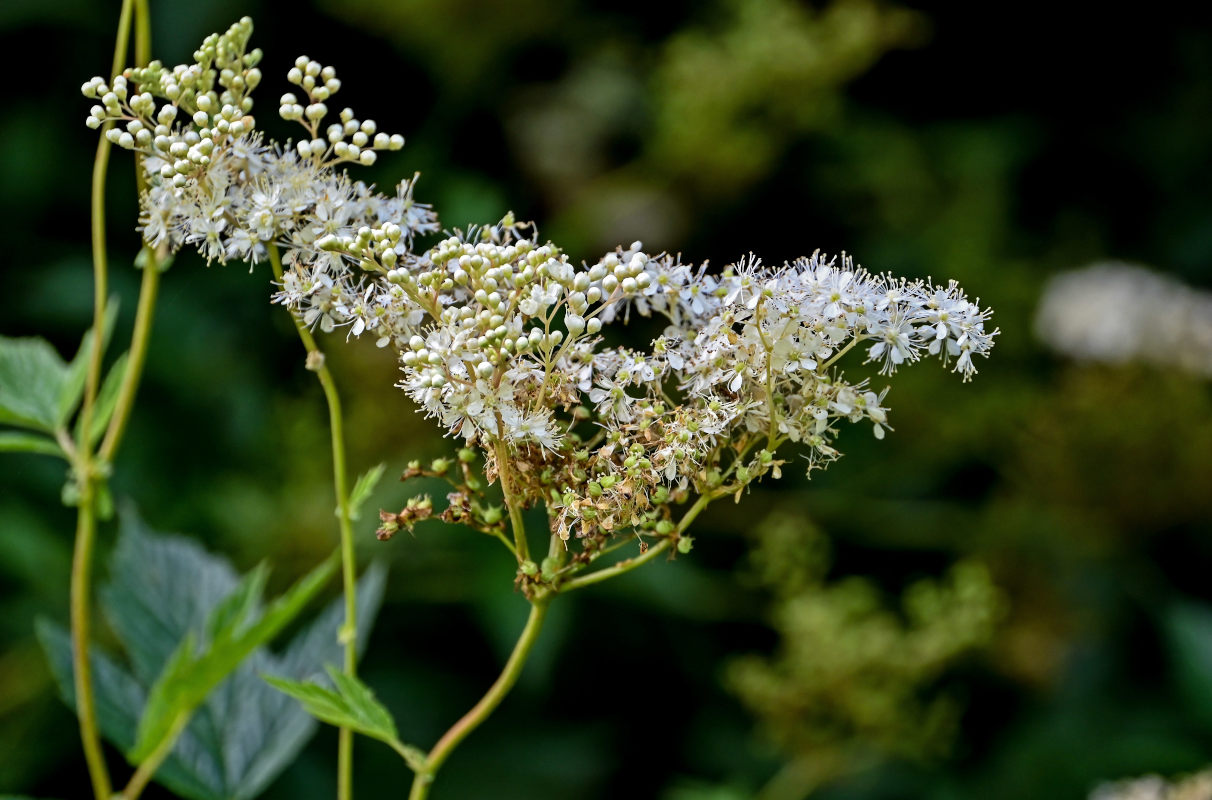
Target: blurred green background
993 143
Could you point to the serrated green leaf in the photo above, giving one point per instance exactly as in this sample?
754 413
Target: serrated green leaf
77 370
191 674
117 696
363 487
32 376
260 729
162 587
240 607
351 705
15 442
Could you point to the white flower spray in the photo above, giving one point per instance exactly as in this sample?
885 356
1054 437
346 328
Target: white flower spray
499 333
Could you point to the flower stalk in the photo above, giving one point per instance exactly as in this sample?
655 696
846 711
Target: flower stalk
85 467
488 703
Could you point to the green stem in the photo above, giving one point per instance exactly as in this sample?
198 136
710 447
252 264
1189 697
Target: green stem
147 770
618 569
136 359
86 530
521 548
148 289
86 521
833 359
488 703
316 363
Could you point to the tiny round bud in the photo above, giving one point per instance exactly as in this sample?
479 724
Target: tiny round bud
367 157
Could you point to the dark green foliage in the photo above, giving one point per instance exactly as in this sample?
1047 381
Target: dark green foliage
185 621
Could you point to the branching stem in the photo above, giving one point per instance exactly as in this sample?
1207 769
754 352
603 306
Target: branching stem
488 703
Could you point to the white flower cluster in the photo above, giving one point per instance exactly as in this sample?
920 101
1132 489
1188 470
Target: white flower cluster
499 334
215 184
1119 313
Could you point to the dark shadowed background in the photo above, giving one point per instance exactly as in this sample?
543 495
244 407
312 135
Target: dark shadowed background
994 143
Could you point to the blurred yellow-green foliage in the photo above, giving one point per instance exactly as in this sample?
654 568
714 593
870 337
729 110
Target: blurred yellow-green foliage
993 143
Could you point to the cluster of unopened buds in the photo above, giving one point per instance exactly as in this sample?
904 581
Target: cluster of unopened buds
499 334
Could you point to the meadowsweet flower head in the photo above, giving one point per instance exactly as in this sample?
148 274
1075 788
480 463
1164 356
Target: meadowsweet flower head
499 333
